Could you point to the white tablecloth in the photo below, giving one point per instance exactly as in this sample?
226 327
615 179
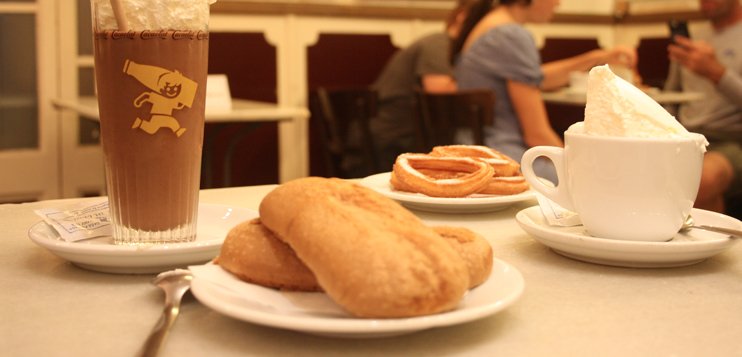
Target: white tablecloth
49 307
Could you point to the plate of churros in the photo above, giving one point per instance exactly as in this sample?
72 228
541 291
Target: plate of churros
474 203
453 179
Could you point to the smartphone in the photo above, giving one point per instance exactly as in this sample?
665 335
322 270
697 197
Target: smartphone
678 27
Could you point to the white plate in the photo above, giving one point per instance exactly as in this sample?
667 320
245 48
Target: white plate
417 201
315 313
100 254
684 249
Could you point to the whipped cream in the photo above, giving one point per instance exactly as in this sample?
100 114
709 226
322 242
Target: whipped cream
155 14
616 107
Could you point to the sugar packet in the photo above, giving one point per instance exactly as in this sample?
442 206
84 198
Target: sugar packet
86 220
555 214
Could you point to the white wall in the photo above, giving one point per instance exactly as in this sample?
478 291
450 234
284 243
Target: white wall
588 7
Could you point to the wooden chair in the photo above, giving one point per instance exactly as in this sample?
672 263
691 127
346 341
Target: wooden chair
556 48
653 64
344 116
561 116
440 115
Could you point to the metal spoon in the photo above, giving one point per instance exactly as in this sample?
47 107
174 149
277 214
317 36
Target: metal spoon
689 224
175 283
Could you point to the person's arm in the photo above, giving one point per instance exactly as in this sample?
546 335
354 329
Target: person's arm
529 107
438 83
730 85
697 56
556 73
700 58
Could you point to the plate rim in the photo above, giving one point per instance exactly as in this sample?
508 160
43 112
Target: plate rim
350 326
102 250
550 237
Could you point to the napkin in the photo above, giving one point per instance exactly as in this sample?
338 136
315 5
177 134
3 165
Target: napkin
267 299
555 214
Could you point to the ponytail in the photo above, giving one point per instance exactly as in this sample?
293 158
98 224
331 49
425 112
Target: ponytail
475 14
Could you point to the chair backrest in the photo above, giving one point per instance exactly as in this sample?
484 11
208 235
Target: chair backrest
653 64
344 116
556 48
440 115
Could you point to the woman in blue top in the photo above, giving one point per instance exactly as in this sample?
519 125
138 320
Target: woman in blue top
495 51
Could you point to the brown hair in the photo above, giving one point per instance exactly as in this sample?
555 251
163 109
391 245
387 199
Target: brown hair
477 12
461 6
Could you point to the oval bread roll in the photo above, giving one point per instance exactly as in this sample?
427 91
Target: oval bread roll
475 250
254 254
370 255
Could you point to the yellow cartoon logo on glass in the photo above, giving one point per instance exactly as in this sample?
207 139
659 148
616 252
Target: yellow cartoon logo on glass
170 91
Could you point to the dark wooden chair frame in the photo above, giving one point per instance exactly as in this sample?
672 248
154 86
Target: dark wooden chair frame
441 114
336 110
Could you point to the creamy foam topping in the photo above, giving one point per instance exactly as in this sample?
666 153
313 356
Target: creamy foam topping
155 14
616 107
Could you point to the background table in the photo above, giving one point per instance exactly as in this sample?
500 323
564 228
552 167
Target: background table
293 129
49 307
565 96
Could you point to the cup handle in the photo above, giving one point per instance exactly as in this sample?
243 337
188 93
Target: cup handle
560 193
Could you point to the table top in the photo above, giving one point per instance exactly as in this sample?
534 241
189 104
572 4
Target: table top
565 96
242 110
51 307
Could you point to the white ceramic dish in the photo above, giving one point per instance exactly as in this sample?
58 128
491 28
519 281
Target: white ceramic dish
684 249
100 254
315 313
472 204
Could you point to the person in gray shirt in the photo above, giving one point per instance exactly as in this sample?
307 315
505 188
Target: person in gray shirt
424 64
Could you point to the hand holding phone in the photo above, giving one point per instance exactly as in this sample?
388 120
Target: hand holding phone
678 27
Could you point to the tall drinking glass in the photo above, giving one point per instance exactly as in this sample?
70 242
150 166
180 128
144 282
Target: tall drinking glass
150 71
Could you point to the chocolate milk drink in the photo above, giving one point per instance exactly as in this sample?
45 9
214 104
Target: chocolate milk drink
151 88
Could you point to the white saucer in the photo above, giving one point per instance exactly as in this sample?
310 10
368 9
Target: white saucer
684 249
316 314
100 254
417 201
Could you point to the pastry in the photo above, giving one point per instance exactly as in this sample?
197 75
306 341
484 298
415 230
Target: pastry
254 254
370 255
448 172
506 185
475 250
501 163
467 175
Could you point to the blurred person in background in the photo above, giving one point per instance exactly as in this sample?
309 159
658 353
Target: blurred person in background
711 63
494 50
424 64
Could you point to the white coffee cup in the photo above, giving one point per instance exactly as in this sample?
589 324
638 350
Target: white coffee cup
638 189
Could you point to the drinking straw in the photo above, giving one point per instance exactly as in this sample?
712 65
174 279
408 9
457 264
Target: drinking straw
118 11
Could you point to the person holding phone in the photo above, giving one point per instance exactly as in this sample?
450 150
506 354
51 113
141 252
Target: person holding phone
678 28
711 63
